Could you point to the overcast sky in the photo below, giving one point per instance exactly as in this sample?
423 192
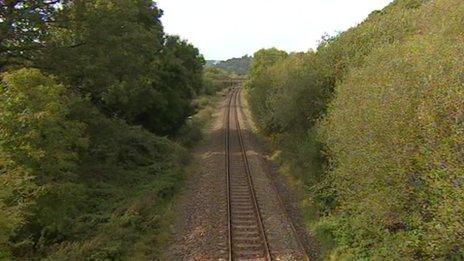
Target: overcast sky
223 29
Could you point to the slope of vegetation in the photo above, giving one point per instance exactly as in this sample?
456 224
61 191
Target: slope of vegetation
214 79
372 123
239 66
87 88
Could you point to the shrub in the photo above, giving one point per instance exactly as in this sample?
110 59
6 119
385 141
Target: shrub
214 80
394 134
76 184
372 123
39 146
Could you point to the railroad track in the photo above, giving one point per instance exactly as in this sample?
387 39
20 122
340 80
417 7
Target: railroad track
246 235
247 238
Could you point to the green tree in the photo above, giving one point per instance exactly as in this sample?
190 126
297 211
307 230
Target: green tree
24 26
263 59
126 64
215 79
180 72
17 193
36 130
39 143
78 179
239 66
121 39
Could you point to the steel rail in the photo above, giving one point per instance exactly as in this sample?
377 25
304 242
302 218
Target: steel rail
227 168
267 254
282 206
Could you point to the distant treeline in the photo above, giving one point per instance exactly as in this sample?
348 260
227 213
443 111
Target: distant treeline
372 123
239 66
86 89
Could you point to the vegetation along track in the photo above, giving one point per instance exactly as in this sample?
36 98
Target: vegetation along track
246 232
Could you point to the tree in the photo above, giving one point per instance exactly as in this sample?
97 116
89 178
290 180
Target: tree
23 27
180 73
39 146
128 67
36 131
240 66
265 58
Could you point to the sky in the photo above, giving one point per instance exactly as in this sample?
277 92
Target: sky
224 29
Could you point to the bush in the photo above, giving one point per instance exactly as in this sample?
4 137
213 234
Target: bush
397 160
39 146
372 124
36 129
130 176
76 184
215 80
16 196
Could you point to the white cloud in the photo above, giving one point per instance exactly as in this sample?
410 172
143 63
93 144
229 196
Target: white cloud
223 29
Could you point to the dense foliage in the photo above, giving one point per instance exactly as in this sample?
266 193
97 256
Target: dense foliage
215 79
372 122
86 87
239 66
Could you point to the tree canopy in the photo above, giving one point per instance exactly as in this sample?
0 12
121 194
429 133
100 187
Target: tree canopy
239 66
86 89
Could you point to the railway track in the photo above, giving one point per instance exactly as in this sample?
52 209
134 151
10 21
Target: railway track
247 238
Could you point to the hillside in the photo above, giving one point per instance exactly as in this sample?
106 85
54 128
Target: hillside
211 63
371 124
239 66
